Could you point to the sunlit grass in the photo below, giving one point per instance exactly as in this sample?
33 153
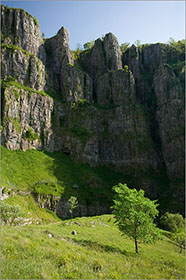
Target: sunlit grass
98 251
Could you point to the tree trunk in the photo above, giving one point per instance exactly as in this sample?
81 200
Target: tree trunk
136 244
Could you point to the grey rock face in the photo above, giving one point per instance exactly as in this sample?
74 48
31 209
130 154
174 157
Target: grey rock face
73 83
112 52
94 60
26 69
19 28
58 51
83 209
26 120
170 117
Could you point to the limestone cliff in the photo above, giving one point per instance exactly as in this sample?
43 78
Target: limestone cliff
101 106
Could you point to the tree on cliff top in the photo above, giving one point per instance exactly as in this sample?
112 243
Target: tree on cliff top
135 214
88 45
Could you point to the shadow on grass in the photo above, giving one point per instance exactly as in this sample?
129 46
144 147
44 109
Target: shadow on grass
88 184
102 248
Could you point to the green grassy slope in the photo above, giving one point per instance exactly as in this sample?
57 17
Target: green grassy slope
23 170
98 251
52 173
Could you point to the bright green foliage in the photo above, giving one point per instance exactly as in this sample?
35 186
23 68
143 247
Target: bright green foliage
8 83
89 45
77 52
11 214
134 214
179 238
126 68
179 46
73 203
172 222
124 47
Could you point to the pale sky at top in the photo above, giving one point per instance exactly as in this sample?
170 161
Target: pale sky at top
147 21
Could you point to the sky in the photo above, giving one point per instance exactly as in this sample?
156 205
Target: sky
147 21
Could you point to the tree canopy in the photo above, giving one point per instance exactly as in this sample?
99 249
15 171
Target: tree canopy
89 45
135 214
124 47
172 222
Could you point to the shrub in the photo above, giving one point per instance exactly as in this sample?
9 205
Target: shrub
124 47
126 68
73 203
179 46
88 45
31 136
179 239
11 214
172 222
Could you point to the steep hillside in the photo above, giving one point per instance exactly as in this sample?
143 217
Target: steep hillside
48 180
100 106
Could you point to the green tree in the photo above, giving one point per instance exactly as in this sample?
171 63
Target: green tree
77 52
179 46
172 222
89 45
124 47
135 214
73 203
137 43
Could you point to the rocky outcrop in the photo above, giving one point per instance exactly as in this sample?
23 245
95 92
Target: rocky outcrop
26 119
70 81
104 56
170 117
99 106
26 69
19 28
112 52
83 209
